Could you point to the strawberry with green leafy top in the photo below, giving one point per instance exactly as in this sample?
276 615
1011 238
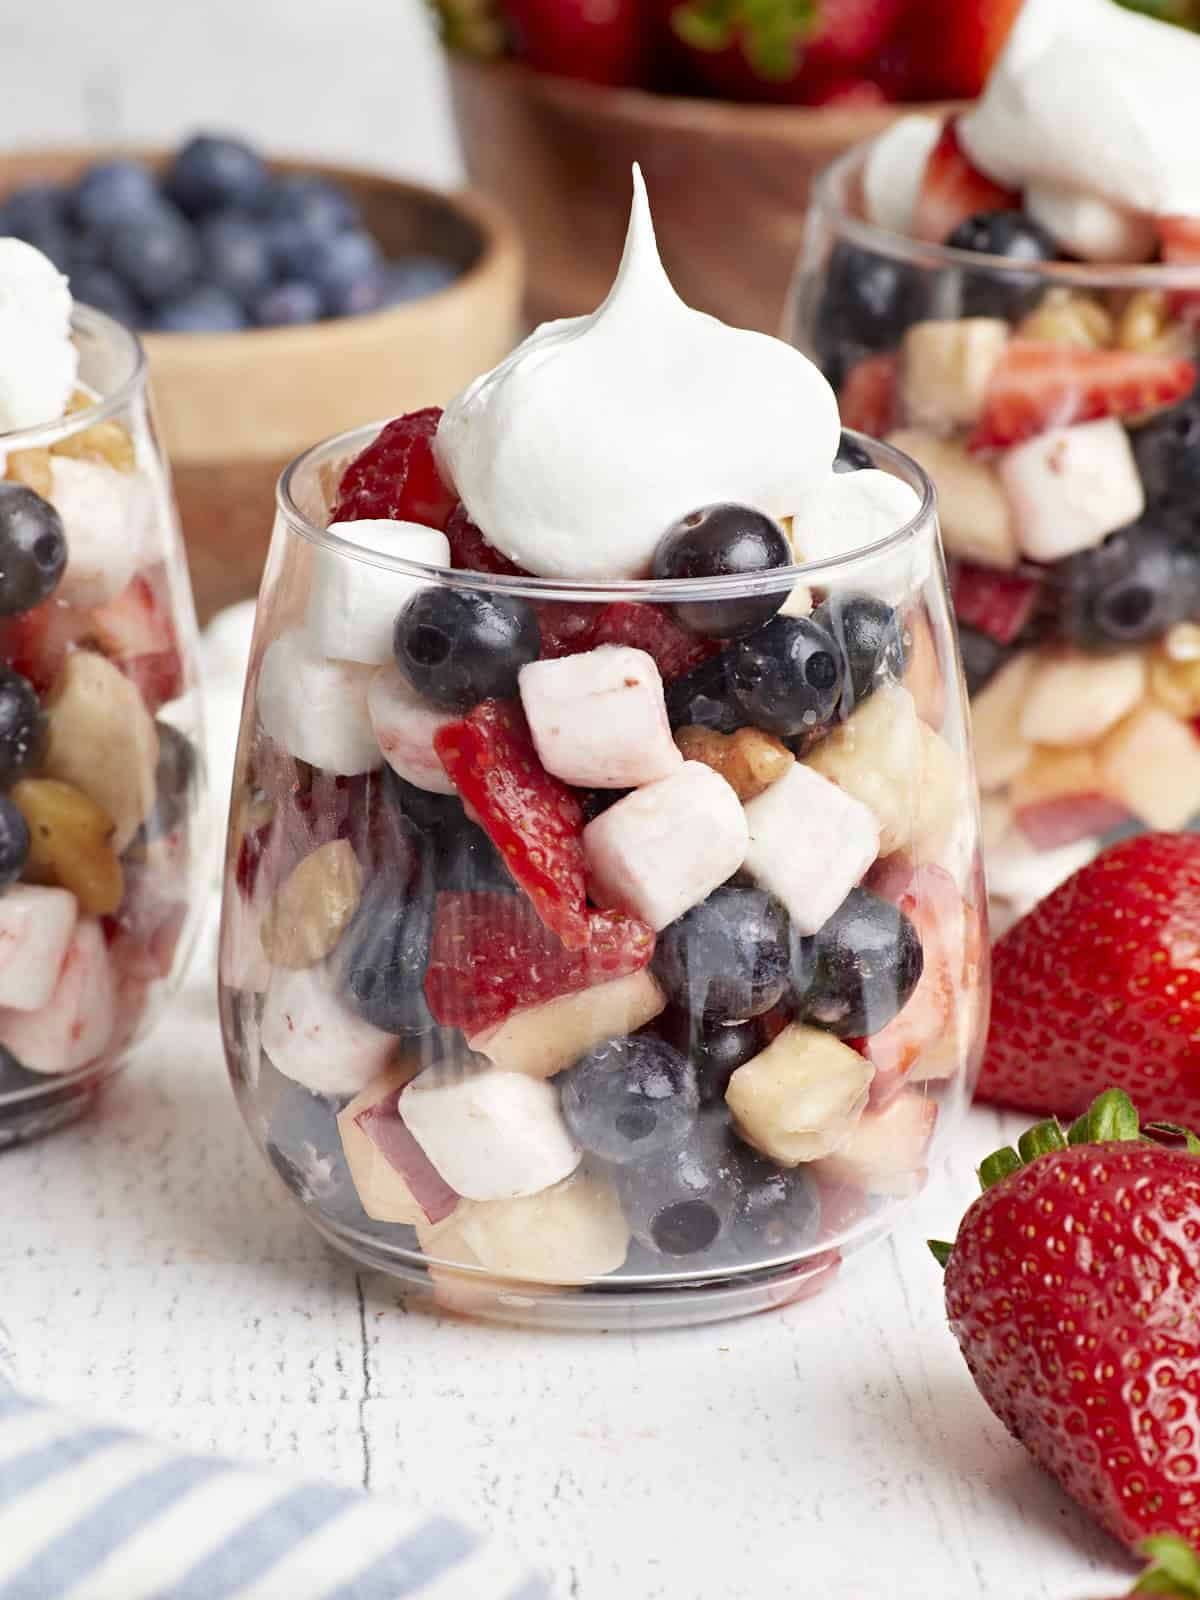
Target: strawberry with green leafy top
1174 1569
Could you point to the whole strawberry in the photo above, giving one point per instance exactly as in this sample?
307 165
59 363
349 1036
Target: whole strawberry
1073 1289
1100 984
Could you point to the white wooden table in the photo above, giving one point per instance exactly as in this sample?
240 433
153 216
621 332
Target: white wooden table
153 1271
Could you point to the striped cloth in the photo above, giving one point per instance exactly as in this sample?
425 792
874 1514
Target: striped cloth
94 1513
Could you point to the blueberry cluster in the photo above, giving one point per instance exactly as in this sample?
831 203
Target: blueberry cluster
216 243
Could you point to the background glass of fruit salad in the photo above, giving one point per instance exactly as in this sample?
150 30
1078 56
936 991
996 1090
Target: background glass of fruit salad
565 981
1054 404
101 827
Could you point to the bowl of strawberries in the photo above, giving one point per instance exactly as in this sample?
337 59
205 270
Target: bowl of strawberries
731 106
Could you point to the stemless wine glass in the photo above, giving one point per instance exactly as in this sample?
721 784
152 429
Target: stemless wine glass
1054 406
106 776
687 1107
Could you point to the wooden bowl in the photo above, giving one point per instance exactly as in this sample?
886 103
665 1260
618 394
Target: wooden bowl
728 183
235 407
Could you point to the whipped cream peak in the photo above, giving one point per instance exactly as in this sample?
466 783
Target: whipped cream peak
584 445
38 361
1087 96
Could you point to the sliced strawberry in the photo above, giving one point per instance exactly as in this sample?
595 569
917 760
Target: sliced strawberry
471 551
492 955
650 628
867 400
999 604
953 189
1040 385
533 819
35 642
137 633
1180 239
396 477
566 628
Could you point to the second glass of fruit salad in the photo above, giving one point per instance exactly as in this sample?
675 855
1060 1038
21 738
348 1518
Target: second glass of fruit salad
1015 303
603 933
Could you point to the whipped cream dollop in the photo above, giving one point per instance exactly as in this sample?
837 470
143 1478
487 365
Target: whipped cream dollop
580 449
38 362
1090 98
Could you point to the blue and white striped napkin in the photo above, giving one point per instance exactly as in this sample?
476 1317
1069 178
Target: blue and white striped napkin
94 1513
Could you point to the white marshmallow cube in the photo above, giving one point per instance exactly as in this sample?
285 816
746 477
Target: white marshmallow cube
598 719
543 1039
77 1023
491 1135
313 1037
1070 488
104 516
405 725
352 605
810 843
666 847
1086 225
315 708
35 929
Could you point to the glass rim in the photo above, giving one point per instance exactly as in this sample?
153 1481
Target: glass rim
673 590
829 197
87 320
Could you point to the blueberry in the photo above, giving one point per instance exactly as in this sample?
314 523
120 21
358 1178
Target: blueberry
704 697
355 299
868 302
789 677
431 814
210 173
682 1203
175 776
723 540
288 244
871 639
414 277
33 549
467 860
457 648
1015 236
384 952
1167 449
317 205
235 255
100 287
339 263
156 255
595 802
203 309
777 1210
13 1075
14 836
52 240
32 208
630 1098
867 960
289 302
22 723
114 191
851 456
982 656
716 1049
727 958
1128 590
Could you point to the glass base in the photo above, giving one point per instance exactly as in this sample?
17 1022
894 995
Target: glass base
50 1104
609 1305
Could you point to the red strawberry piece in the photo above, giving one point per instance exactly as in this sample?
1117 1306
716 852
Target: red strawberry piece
954 45
492 955
566 628
867 400
999 604
953 189
34 643
1100 984
1040 385
1180 240
471 551
386 1130
650 628
612 43
396 478
849 93
137 633
1065 819
533 819
1073 1290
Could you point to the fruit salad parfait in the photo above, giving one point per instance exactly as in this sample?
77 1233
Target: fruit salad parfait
99 721
602 928
1012 296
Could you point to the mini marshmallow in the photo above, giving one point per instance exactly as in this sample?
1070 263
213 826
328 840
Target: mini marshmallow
40 363
313 1037
492 1135
1075 696
544 1039
810 843
104 518
598 719
799 1099
78 1022
666 847
405 725
1085 225
1070 488
946 369
316 709
35 929
857 509
893 169
352 604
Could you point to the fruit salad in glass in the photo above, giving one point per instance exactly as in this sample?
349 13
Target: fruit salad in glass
100 775
603 933
1011 296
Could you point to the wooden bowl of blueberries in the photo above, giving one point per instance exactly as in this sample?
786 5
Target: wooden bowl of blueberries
279 301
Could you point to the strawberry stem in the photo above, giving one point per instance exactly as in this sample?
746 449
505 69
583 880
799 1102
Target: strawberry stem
999 1165
769 32
1175 1569
1111 1116
941 1249
1041 1140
